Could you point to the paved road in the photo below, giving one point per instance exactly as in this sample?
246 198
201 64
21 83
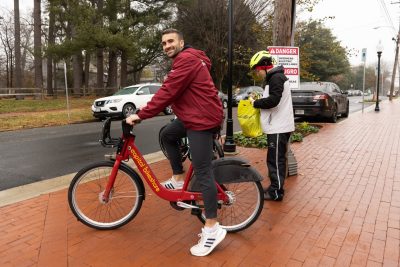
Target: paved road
38 154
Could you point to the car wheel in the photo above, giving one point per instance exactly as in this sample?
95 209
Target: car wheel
128 110
224 104
168 110
334 114
346 114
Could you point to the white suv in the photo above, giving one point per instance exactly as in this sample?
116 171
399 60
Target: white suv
124 102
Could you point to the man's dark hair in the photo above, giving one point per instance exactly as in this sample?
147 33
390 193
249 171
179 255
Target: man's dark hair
172 30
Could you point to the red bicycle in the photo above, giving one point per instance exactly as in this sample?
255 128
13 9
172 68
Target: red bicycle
109 194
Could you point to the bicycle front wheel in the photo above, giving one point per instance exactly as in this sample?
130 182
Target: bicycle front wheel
246 201
85 196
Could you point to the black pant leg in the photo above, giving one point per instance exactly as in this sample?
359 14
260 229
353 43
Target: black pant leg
201 145
170 137
277 163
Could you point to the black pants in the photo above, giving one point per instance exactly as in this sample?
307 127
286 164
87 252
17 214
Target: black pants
201 150
278 145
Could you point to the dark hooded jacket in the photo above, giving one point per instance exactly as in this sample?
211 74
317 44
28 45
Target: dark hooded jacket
191 92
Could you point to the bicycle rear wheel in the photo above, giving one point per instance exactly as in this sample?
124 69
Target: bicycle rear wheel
246 201
86 191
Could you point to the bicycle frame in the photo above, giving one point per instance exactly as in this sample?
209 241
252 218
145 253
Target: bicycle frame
129 150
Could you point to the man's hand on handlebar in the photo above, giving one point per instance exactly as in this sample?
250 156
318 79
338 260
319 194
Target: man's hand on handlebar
133 119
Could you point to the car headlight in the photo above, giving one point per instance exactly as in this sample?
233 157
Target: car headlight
114 101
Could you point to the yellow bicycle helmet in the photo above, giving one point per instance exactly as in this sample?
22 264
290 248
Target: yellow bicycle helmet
261 58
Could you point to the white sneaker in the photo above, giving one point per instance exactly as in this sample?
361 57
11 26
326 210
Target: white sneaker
208 241
172 184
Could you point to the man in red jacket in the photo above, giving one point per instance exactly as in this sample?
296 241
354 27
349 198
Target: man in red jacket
190 90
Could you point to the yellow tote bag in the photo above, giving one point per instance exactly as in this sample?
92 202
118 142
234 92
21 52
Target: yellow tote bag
249 119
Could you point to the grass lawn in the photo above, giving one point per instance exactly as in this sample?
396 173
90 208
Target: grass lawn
29 113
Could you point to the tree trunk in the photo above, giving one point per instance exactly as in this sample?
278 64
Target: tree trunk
112 69
282 23
396 57
77 66
124 69
100 69
17 45
51 41
55 79
100 52
87 71
37 43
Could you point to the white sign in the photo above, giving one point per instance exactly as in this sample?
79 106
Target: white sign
363 54
288 57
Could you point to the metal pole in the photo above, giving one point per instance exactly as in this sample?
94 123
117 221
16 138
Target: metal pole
364 60
229 145
377 87
66 88
363 89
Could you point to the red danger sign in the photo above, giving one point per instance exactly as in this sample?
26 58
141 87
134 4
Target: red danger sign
291 71
288 57
284 51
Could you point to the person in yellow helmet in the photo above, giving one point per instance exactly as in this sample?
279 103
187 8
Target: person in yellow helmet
277 119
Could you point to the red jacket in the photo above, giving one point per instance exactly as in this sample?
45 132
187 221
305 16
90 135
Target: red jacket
191 92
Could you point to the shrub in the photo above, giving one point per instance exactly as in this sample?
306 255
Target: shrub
302 129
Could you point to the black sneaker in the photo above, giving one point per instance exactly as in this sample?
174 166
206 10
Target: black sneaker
268 197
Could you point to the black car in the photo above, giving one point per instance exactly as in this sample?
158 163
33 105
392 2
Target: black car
242 93
320 99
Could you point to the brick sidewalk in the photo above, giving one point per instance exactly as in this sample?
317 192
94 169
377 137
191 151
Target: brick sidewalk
343 209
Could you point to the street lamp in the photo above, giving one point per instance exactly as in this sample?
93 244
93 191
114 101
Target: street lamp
379 49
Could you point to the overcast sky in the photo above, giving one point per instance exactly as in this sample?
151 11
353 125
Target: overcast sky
353 24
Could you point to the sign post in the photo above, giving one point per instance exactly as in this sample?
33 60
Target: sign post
288 57
363 59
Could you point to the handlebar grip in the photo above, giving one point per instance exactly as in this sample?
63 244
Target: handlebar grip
126 128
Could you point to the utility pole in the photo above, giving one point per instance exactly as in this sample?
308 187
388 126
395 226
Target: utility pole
396 58
283 25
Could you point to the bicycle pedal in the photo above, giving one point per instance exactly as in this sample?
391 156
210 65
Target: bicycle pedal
186 205
175 206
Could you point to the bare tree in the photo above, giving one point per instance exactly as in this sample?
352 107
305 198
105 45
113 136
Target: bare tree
37 36
6 37
17 45
205 26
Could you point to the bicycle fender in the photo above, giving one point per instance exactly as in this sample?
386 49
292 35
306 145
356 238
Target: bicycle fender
234 170
134 173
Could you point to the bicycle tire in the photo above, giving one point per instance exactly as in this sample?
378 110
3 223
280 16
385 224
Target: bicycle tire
86 188
235 217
